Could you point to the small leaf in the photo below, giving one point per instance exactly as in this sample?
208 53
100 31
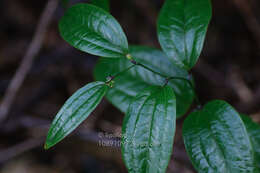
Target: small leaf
148 130
253 130
76 109
104 4
216 140
132 82
182 27
93 30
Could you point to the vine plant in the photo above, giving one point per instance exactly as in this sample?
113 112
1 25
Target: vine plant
153 88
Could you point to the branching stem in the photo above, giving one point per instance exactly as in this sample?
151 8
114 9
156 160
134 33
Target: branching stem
167 78
110 78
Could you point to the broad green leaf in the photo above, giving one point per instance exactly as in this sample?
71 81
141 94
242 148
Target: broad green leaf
132 82
216 140
104 4
182 26
76 109
253 130
125 89
148 130
93 30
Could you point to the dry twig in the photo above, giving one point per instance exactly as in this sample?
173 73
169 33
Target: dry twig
236 81
246 11
20 148
27 61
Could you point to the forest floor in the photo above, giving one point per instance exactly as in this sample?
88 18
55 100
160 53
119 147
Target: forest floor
229 69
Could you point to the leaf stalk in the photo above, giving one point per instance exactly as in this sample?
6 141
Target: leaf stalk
167 79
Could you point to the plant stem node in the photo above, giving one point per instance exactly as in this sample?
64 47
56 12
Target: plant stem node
129 57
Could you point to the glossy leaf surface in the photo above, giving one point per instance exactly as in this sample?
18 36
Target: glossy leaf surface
181 28
216 140
76 109
132 82
253 130
148 129
93 30
104 4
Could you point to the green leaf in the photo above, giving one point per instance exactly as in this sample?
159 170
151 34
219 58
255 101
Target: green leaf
182 26
148 130
253 130
132 82
104 4
216 140
125 89
76 109
93 30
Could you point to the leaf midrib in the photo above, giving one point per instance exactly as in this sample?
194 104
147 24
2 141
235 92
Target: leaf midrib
73 114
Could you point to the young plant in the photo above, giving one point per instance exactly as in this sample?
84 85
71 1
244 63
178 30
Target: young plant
153 88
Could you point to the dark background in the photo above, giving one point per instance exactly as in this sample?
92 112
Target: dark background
229 69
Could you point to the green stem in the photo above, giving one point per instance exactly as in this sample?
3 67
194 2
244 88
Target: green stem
110 78
125 70
164 76
167 79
